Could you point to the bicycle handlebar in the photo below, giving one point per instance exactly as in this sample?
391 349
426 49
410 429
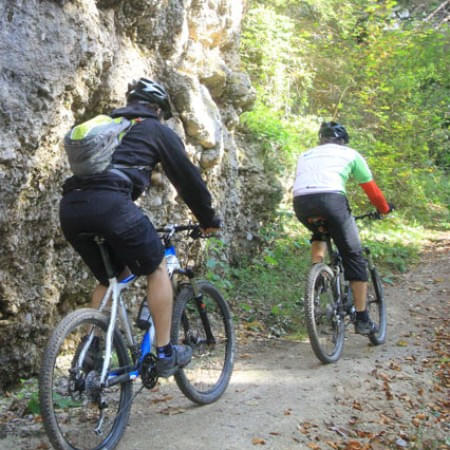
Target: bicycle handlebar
170 230
373 215
177 228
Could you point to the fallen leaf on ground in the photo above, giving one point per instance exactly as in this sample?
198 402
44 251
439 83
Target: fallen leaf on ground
365 434
353 445
387 390
42 446
357 405
162 399
172 410
394 366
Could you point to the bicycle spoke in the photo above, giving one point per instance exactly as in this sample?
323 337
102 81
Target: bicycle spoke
77 411
324 324
208 330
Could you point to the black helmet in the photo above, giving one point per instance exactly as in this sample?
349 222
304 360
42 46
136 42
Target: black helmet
151 92
333 131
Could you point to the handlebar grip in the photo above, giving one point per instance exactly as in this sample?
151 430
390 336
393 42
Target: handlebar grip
177 228
196 233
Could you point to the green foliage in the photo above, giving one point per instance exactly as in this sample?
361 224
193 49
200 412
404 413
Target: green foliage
267 290
394 243
217 269
356 62
28 390
387 81
33 404
279 138
269 286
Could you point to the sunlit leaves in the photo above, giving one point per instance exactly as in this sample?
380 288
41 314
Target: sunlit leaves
354 61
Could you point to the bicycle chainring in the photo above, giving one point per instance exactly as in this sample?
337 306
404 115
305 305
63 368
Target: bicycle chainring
149 376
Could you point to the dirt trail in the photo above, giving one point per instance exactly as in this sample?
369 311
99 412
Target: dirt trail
281 397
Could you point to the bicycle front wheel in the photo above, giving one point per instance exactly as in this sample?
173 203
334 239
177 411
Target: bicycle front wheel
376 306
205 324
323 322
77 412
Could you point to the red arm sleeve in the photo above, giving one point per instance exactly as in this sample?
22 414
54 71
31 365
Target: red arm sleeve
376 197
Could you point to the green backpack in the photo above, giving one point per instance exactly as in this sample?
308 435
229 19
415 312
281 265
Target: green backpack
91 144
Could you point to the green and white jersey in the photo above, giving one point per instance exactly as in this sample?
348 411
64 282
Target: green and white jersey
326 168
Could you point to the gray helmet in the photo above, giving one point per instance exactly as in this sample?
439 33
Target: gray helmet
333 131
148 91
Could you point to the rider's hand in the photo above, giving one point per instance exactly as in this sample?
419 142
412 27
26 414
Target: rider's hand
213 227
391 207
381 214
208 231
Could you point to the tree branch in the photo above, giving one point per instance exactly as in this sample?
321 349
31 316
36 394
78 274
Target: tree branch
441 6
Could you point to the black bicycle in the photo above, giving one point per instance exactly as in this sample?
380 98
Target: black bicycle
329 304
93 356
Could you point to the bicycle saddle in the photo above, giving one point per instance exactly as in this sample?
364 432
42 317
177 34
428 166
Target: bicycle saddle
318 222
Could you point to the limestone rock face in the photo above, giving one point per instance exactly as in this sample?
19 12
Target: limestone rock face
61 62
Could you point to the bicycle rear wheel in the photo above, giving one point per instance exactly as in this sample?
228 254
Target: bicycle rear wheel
71 398
323 322
206 325
376 306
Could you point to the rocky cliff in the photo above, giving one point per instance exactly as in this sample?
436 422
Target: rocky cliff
61 62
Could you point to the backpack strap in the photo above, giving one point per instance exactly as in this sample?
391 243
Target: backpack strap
115 168
121 174
126 166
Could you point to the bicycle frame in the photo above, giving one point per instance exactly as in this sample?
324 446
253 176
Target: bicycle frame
114 294
329 302
120 375
335 258
94 354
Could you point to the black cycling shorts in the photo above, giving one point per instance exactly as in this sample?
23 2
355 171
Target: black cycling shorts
334 208
131 237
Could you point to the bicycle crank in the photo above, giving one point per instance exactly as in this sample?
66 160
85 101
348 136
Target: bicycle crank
149 376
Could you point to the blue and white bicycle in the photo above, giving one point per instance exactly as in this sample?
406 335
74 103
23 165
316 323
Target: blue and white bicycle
93 356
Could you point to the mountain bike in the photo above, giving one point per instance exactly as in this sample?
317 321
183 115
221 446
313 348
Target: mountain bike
329 305
93 356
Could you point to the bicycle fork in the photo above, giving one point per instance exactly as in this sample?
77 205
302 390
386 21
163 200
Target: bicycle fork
201 306
369 259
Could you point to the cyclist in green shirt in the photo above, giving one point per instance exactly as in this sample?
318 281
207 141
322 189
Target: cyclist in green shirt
319 191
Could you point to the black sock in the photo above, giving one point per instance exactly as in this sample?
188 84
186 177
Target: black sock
165 351
363 316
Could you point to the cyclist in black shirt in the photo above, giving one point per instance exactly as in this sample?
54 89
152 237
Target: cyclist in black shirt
104 203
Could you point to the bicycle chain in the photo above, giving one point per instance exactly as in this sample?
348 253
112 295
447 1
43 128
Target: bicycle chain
149 376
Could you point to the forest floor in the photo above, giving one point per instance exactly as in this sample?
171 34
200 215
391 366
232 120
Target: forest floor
280 397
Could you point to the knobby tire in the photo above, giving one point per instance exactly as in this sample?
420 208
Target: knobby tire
69 418
377 307
206 378
324 325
